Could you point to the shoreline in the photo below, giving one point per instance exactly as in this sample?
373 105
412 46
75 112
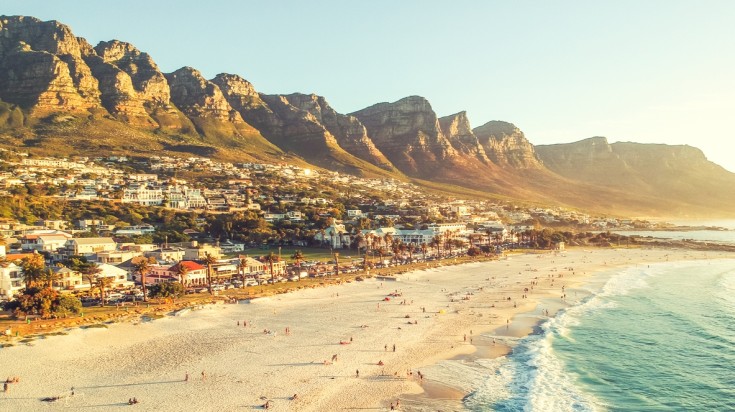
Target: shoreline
526 323
150 359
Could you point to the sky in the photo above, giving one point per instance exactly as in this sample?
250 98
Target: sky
654 71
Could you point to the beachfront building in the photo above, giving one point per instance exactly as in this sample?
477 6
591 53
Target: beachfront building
11 279
250 267
196 274
68 279
119 276
336 236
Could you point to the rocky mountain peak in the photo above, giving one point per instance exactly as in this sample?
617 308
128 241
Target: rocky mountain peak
49 36
407 132
506 145
147 80
232 85
198 97
41 66
457 129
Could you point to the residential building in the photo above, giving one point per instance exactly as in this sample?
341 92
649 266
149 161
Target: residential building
11 279
89 246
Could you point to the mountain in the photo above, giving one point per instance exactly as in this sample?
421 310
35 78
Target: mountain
307 126
680 177
60 95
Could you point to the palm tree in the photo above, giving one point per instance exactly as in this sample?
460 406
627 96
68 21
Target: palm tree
298 257
143 267
209 260
270 258
436 242
90 272
102 283
182 271
49 276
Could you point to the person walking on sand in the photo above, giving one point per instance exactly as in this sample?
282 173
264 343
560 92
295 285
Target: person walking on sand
357 373
186 377
204 376
394 347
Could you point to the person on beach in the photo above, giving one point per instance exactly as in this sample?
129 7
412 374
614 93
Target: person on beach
186 377
394 347
5 387
357 373
204 376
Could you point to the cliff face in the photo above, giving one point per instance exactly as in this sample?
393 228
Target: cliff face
458 131
408 134
41 67
347 131
507 146
305 125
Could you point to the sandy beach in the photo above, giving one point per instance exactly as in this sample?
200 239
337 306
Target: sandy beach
313 342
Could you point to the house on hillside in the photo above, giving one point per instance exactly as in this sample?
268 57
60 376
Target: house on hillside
44 242
88 246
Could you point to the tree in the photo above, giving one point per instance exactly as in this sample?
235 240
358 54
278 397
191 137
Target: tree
103 283
209 260
182 271
49 277
143 267
298 257
68 304
167 290
32 269
90 272
271 258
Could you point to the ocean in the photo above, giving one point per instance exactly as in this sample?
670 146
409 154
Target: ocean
657 337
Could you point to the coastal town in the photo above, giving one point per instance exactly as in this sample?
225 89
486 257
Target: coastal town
385 221
372 222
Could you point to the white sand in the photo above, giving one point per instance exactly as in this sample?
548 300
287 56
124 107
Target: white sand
244 366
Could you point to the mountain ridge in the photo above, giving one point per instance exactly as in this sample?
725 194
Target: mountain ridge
58 92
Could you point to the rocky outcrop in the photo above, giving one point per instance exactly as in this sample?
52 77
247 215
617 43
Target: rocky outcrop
41 67
147 80
304 124
458 131
408 133
506 145
348 132
199 98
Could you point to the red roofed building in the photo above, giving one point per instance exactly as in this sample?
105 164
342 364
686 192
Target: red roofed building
196 275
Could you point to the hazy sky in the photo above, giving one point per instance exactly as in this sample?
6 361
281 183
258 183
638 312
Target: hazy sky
653 71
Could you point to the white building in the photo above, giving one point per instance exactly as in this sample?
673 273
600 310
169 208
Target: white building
336 236
11 279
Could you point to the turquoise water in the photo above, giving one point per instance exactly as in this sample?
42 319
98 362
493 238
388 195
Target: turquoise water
655 338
